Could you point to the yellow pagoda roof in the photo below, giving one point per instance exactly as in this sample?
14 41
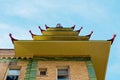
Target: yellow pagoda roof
66 42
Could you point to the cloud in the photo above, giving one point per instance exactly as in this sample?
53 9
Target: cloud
3 26
50 11
21 10
18 33
38 8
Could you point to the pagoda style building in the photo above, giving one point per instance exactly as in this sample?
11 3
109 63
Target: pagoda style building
58 54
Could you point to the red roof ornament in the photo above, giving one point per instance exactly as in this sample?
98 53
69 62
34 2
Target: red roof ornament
89 35
112 39
41 29
12 39
79 30
73 27
46 26
32 33
59 25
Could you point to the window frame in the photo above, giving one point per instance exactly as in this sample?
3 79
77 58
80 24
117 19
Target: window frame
13 67
63 68
44 70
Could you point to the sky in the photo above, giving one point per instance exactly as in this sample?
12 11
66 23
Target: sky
101 16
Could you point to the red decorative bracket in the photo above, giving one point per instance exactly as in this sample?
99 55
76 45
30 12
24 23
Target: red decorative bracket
46 26
73 27
41 29
32 33
79 30
112 39
89 35
12 39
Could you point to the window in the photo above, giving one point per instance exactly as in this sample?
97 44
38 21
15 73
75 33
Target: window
62 73
43 71
13 74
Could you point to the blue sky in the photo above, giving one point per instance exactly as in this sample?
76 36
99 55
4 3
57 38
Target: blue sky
101 16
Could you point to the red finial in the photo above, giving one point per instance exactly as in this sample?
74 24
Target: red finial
41 29
46 26
79 30
89 35
112 39
73 27
32 33
12 39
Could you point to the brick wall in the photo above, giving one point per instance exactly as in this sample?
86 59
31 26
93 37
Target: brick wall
3 69
4 66
77 70
7 53
22 70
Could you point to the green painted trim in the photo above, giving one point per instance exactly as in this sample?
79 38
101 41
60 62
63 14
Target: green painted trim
48 59
91 71
31 70
63 58
28 70
13 60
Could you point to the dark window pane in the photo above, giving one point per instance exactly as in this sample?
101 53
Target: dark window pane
62 74
62 77
42 72
11 77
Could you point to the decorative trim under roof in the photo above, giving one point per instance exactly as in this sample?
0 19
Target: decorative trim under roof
89 35
79 30
32 33
46 26
73 27
112 39
41 29
12 39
